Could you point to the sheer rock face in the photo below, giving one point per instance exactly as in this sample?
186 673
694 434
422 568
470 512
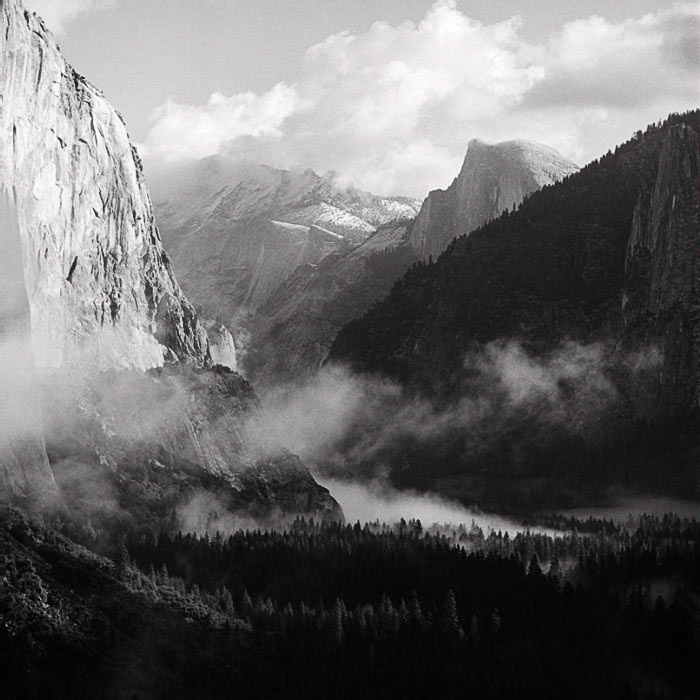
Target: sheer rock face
661 299
25 471
99 284
94 297
493 178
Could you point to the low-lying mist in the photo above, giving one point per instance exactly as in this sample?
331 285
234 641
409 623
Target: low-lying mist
337 419
348 428
377 500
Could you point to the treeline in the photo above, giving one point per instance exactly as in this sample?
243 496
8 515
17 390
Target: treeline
309 561
356 611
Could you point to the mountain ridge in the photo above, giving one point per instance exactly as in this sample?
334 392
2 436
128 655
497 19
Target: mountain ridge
603 260
222 219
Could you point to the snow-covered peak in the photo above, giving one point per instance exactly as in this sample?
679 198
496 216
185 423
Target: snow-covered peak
225 187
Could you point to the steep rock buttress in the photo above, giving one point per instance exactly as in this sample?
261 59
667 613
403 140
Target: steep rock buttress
97 304
99 284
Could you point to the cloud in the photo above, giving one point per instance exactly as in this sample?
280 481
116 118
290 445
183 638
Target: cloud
220 120
58 13
344 423
392 109
378 500
593 63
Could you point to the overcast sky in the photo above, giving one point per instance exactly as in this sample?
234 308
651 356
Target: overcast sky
386 92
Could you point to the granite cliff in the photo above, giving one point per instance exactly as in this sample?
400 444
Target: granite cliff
90 303
97 279
493 178
661 295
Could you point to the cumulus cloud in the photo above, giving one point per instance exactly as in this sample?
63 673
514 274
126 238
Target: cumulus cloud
392 109
220 120
58 13
593 63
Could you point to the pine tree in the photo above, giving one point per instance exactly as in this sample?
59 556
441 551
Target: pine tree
337 621
449 620
122 561
226 603
246 602
415 611
388 617
404 615
163 575
534 569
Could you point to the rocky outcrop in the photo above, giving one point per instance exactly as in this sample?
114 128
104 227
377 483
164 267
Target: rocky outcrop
661 298
494 178
221 345
99 285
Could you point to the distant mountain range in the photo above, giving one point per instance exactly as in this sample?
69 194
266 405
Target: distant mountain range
286 259
237 230
292 333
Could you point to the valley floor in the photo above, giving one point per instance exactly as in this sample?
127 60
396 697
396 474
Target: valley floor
594 609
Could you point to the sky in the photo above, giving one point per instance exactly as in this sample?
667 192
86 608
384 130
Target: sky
387 93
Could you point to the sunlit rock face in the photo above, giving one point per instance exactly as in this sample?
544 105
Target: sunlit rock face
88 300
493 178
99 285
222 345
